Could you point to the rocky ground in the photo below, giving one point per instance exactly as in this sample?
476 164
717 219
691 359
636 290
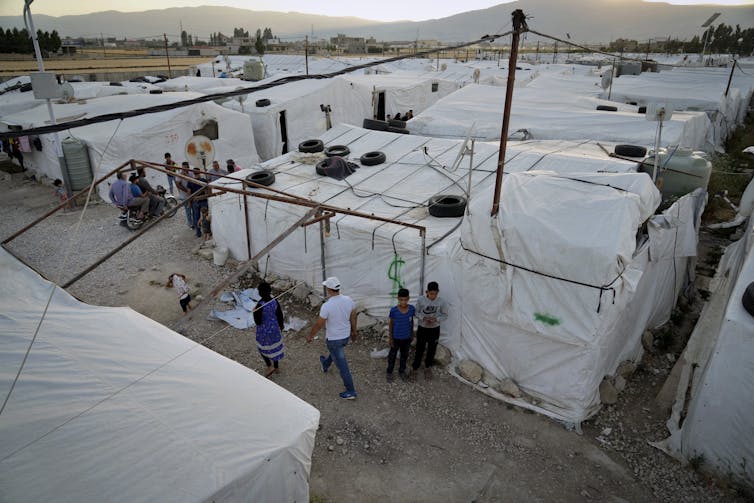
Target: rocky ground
428 440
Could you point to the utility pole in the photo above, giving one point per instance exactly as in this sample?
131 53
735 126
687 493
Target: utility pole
170 73
50 111
537 51
438 57
649 44
519 26
102 37
306 54
555 52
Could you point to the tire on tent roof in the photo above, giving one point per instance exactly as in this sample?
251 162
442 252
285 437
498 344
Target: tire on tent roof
339 150
322 166
264 102
446 206
154 91
311 146
631 150
372 158
607 108
397 123
375 125
400 130
748 299
642 109
262 177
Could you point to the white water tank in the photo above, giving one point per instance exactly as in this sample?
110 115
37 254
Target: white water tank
680 169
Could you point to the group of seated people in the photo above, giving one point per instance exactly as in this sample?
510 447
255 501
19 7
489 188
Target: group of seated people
137 192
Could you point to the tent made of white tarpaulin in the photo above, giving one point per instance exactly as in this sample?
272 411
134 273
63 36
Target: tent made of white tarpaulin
145 137
294 112
557 289
711 419
692 89
395 93
112 406
614 288
552 113
278 65
477 72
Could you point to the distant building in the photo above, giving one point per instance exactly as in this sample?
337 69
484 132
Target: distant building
349 45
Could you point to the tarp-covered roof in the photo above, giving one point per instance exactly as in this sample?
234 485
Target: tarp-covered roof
112 406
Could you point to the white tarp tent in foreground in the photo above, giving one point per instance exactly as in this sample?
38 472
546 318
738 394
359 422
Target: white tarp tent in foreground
711 419
112 406
575 293
146 137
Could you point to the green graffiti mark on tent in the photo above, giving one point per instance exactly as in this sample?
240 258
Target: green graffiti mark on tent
546 319
394 274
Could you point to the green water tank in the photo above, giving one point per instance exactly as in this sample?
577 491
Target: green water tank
681 169
77 162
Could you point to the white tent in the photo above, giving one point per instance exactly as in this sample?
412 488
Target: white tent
549 109
279 65
399 93
112 406
294 115
574 227
700 89
146 137
711 421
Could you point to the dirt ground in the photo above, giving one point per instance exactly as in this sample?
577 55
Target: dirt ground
428 440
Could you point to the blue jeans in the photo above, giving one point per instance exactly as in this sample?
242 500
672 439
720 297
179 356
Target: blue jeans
187 207
337 354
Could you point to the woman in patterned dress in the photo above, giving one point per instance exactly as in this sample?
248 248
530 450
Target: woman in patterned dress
268 317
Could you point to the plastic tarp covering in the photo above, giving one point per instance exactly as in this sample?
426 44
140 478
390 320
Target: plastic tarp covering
146 137
692 89
557 339
717 374
112 406
554 107
300 103
556 294
403 92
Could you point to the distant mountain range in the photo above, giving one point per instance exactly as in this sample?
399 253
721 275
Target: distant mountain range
586 21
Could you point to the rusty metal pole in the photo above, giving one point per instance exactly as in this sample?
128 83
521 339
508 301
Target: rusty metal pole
730 77
519 26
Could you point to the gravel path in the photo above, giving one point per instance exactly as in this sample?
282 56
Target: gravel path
432 440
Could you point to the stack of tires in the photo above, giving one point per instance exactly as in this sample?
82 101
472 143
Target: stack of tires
392 125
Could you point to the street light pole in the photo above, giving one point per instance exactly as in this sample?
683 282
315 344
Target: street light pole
40 64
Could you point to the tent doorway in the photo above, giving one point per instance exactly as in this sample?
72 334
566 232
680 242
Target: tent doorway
284 131
381 105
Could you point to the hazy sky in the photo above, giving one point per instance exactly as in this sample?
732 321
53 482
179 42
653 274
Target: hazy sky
381 10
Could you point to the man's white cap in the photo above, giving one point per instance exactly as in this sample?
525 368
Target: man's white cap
332 283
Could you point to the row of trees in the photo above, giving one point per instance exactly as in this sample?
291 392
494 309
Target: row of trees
720 39
19 41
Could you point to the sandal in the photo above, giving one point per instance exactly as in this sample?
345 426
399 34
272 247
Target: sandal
270 372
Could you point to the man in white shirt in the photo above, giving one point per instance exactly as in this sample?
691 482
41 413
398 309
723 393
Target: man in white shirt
338 316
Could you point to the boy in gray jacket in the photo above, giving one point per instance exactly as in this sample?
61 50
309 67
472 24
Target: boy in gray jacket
431 310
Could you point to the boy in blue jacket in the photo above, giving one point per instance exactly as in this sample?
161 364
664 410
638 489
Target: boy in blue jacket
401 328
